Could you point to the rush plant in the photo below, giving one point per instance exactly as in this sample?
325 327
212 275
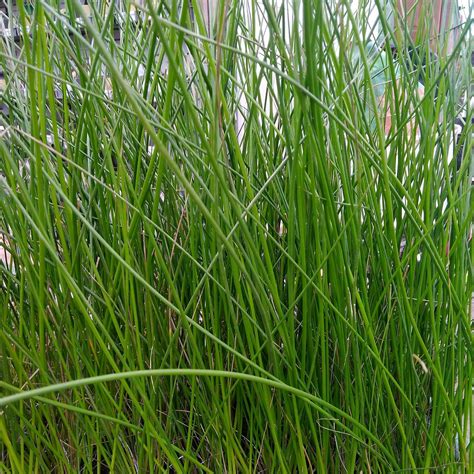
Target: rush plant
217 256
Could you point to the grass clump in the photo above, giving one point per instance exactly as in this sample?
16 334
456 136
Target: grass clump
216 259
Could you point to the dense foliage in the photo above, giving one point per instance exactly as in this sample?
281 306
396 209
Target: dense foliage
214 258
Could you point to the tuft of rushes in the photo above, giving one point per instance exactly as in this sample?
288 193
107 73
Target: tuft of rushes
211 260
